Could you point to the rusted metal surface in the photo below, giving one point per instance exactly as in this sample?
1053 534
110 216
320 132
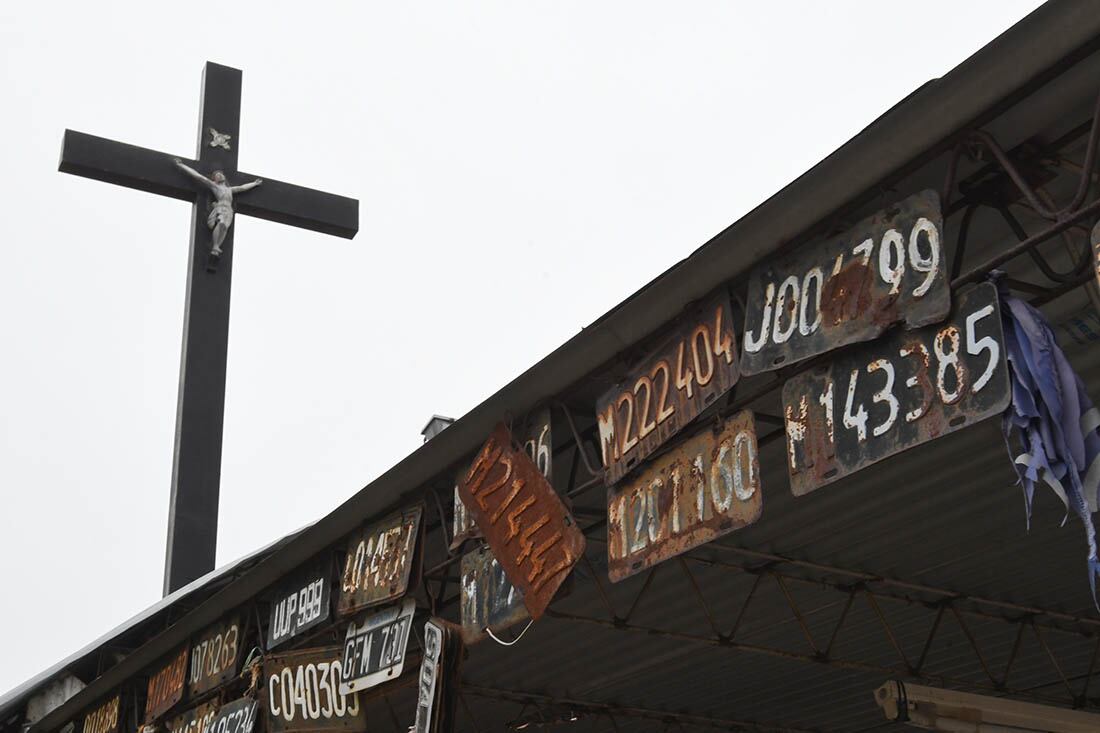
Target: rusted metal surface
104 719
238 716
537 440
531 533
300 603
194 720
489 600
302 693
705 487
214 656
438 680
1095 240
889 268
374 648
380 561
879 399
696 364
166 685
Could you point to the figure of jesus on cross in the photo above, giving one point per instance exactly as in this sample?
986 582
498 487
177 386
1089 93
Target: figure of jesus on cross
221 213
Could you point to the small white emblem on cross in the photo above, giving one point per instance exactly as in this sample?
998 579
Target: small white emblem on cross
219 140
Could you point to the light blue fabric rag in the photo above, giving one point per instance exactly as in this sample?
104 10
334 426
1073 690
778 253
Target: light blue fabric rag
1054 419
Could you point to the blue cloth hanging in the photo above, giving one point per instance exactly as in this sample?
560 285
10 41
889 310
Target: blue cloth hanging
1053 417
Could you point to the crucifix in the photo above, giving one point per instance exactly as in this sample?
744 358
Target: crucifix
216 190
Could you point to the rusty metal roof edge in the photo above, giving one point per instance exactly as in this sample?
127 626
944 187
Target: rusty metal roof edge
1034 47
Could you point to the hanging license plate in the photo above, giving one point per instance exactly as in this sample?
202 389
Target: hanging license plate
374 649
882 398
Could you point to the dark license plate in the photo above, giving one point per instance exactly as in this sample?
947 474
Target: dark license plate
538 442
380 561
103 719
374 650
529 530
888 268
300 604
194 720
488 599
214 656
302 693
701 489
166 686
238 716
694 366
882 398
437 684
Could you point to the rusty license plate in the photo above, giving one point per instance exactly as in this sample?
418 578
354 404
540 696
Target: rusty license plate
488 599
374 648
104 719
703 488
538 442
214 656
302 693
194 720
889 268
879 399
166 686
694 366
438 683
379 562
300 603
525 523
238 716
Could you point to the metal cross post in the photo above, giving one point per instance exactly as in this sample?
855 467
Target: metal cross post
196 465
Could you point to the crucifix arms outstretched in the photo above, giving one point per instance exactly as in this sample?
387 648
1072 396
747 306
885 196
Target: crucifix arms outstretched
221 214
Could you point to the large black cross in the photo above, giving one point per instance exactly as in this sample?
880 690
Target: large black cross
196 464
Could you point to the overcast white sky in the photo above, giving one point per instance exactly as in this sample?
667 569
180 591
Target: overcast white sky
536 161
